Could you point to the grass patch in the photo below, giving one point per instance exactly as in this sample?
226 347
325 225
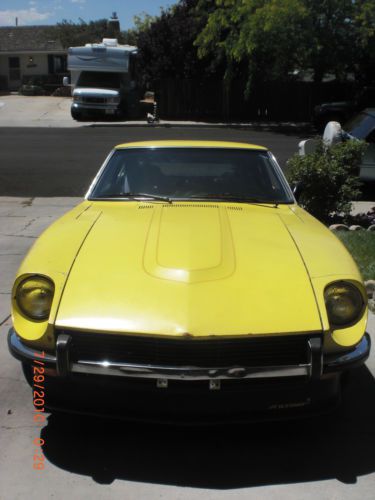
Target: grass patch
361 244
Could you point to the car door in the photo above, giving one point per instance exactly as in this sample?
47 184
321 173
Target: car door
367 171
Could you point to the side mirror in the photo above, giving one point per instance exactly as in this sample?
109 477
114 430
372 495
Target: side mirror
66 81
308 146
297 189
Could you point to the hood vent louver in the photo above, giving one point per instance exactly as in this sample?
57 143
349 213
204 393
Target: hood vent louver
237 209
199 205
192 205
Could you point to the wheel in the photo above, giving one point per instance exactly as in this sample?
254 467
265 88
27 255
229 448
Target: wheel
120 114
76 115
150 118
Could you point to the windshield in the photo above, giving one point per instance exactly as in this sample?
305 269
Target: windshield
193 173
360 126
97 79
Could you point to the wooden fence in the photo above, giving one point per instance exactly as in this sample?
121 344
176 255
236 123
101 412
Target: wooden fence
213 100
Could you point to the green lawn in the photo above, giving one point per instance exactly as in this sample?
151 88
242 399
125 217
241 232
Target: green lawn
361 244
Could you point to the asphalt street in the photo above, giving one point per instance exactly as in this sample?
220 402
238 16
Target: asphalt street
62 161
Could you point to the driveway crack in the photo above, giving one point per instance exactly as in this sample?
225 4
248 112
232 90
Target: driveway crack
5 320
19 236
28 202
9 428
28 224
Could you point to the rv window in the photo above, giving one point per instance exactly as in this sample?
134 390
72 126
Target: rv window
133 67
99 79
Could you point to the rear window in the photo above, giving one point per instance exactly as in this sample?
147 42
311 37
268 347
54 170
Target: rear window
360 126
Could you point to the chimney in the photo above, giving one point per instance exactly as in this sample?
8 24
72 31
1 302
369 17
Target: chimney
16 21
113 25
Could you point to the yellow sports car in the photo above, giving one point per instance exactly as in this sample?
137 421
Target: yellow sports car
188 285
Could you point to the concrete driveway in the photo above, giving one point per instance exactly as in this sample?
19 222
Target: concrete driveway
325 458
54 112
25 111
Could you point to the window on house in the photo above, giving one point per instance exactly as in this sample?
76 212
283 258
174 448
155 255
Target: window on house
14 69
56 64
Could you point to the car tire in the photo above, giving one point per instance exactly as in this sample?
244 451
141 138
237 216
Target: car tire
347 378
76 115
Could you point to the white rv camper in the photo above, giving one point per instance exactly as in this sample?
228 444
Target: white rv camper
103 79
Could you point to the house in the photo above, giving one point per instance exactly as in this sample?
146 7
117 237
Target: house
31 53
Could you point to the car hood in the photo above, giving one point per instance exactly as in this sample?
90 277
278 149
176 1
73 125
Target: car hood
338 104
93 92
189 269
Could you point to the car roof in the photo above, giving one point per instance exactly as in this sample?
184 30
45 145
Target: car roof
190 144
369 111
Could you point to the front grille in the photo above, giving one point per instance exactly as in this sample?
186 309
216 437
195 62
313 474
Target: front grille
151 350
95 100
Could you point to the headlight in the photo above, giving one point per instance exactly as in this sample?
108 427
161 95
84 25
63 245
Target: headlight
34 297
77 98
344 303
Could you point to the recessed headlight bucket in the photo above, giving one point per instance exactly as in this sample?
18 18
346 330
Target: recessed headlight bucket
344 303
34 297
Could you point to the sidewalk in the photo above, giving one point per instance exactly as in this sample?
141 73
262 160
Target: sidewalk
362 207
22 220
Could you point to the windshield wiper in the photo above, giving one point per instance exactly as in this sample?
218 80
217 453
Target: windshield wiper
138 195
238 199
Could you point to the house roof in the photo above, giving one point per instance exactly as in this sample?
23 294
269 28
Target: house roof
29 39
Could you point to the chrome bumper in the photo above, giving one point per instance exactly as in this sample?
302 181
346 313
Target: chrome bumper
95 106
314 369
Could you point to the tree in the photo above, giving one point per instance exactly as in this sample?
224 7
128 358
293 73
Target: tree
255 34
331 43
142 23
365 31
276 39
166 43
76 34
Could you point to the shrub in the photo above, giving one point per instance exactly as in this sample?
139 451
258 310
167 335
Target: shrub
31 90
329 177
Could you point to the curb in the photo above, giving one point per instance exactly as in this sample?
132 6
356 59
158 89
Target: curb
273 126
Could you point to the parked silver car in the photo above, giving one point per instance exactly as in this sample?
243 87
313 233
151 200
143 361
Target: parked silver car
361 127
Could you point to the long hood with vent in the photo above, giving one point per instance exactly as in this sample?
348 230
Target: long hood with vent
189 269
